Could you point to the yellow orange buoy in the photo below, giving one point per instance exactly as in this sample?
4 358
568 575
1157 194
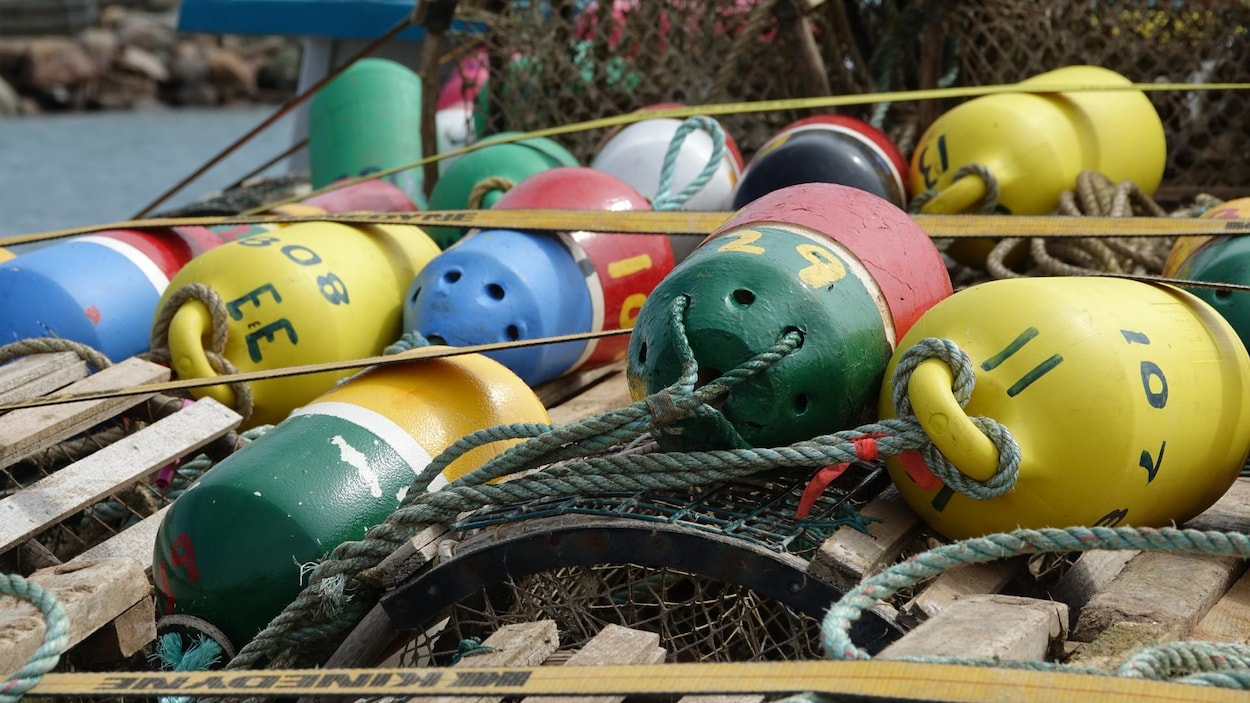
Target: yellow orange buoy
1127 401
308 293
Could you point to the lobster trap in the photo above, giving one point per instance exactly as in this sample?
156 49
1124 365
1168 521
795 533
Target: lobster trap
564 61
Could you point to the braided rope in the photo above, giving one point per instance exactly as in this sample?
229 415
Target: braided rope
342 587
664 198
55 637
49 345
1199 663
485 187
216 351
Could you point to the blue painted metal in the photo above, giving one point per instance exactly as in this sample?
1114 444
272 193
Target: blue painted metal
338 19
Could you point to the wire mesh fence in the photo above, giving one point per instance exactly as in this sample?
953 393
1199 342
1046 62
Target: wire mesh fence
565 61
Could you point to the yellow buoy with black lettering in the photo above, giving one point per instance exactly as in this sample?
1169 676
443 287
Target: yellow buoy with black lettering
1035 145
1127 400
308 293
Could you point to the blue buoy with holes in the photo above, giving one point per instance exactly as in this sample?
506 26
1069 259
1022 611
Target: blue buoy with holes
501 286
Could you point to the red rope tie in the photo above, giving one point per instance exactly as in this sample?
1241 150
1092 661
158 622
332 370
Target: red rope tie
865 450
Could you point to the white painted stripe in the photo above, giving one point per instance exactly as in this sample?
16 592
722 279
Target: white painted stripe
145 265
382 426
595 287
853 265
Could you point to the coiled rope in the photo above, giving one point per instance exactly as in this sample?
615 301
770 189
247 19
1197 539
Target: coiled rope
55 638
344 586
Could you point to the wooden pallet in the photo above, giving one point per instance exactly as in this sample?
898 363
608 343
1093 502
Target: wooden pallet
1106 606
105 589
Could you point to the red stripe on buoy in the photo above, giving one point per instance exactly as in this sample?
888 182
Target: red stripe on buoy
899 254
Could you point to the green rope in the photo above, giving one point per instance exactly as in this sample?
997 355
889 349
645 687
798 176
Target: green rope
1200 663
55 637
471 647
321 614
666 200
201 655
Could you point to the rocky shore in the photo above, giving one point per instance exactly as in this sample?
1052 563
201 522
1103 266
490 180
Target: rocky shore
133 57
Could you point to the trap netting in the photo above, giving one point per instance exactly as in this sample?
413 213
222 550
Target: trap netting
718 578
564 61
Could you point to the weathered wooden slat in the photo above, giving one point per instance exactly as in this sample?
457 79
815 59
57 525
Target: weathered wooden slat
1008 628
1090 573
115 467
1229 619
121 638
29 430
960 582
613 644
522 644
1231 513
135 542
610 393
21 371
33 376
93 594
556 392
849 555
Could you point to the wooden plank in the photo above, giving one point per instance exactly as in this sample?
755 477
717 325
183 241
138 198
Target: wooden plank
115 467
1007 628
1229 619
609 394
29 430
40 375
93 594
1089 574
960 582
121 638
1169 592
1231 513
849 555
722 699
557 391
613 645
402 563
522 644
135 542
21 371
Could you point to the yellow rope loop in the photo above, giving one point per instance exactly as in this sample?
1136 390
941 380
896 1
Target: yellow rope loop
485 187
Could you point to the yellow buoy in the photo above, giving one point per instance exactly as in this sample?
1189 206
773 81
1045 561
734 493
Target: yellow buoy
1035 145
1127 401
307 293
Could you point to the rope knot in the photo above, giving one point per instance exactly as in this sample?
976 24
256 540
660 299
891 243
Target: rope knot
665 412
929 463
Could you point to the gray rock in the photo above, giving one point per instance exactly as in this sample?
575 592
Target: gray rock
10 101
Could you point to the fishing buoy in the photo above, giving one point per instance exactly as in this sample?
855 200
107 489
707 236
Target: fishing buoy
365 120
100 289
454 126
1127 401
505 285
636 155
367 196
309 293
509 162
233 549
466 79
849 271
826 149
1217 259
1035 145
